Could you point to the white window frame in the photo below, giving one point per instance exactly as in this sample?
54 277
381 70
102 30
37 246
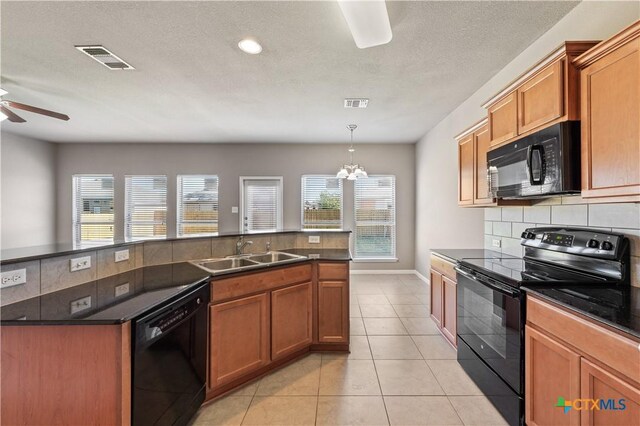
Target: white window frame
302 200
393 256
279 200
77 223
179 194
126 221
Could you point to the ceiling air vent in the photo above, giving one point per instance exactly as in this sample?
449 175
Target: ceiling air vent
105 57
356 103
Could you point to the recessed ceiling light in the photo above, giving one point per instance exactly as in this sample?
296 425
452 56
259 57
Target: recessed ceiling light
250 46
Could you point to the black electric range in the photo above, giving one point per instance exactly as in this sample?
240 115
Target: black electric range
491 304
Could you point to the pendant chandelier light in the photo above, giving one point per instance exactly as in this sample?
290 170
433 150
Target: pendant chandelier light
352 171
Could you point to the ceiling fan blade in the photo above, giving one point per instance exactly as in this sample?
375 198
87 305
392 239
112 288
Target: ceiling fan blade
11 116
36 110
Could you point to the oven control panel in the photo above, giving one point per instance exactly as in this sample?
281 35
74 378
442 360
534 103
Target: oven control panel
585 242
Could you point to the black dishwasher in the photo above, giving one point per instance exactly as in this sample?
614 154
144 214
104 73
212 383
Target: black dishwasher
169 360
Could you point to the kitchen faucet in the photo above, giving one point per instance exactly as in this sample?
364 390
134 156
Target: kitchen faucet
241 244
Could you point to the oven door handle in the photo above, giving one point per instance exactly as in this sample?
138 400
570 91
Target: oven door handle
506 290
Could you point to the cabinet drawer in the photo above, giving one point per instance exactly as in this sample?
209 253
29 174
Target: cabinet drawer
444 267
333 271
612 349
256 282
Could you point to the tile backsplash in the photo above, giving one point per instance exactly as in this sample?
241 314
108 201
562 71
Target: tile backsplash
507 223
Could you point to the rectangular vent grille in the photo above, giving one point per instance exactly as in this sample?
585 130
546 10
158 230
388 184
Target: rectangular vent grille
105 57
356 103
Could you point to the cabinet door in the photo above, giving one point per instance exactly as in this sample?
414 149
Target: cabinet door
239 338
610 121
465 171
291 319
435 278
481 145
503 119
333 312
596 383
552 371
541 98
449 309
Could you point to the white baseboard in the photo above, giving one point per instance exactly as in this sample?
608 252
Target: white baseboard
422 277
389 272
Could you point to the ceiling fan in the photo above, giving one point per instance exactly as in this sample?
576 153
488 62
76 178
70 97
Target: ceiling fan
6 113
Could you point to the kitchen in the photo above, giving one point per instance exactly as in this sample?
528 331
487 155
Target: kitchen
212 183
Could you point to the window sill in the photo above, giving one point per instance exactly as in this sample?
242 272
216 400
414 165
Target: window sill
375 260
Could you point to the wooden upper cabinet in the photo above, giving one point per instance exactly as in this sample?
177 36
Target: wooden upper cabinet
540 99
291 319
503 119
465 170
610 110
481 146
598 384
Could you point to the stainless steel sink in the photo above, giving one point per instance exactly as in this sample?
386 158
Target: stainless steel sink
220 264
273 257
243 262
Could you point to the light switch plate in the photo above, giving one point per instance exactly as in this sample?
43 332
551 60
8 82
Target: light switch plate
496 243
121 290
122 255
314 239
11 278
80 305
80 263
234 209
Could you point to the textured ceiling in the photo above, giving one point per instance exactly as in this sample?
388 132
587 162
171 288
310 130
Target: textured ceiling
192 84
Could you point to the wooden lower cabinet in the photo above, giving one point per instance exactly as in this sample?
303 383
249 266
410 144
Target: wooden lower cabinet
291 319
239 338
435 278
333 312
449 309
597 383
551 371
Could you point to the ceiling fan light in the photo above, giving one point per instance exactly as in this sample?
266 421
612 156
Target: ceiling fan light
342 174
368 22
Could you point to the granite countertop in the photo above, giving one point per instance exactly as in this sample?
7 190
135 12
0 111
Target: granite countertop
617 307
456 255
148 287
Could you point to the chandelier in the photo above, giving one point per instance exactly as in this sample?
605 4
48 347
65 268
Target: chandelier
352 171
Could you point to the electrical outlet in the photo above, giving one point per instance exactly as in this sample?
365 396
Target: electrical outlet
80 263
122 255
121 290
234 209
11 278
496 243
80 305
314 239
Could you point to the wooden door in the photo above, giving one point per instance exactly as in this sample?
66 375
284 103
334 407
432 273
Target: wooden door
610 112
291 319
552 371
465 170
333 312
541 98
435 278
596 383
449 309
481 146
503 119
239 338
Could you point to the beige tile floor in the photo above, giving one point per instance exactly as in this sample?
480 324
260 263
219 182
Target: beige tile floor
400 371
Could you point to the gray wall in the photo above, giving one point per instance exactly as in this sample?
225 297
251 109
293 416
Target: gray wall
229 162
440 223
28 203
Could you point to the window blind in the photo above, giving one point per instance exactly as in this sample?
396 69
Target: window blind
197 205
93 218
145 207
262 205
375 217
321 202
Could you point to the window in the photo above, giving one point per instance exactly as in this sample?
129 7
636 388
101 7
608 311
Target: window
261 199
197 205
92 210
321 202
375 216
145 208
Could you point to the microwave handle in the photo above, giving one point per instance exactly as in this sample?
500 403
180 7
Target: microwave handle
530 152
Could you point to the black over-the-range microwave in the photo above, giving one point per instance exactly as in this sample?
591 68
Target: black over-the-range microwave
545 163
